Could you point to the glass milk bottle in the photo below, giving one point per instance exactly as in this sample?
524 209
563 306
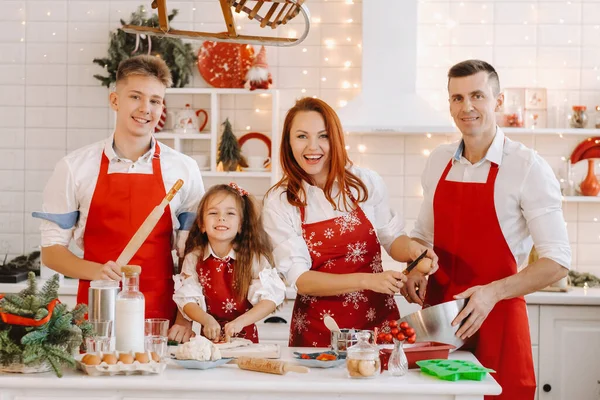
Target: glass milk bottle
129 316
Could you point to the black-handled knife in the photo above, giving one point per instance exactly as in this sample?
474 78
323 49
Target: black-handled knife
414 263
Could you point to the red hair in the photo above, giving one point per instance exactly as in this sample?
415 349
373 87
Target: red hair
293 174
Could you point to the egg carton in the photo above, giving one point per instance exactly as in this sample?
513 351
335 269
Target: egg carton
135 368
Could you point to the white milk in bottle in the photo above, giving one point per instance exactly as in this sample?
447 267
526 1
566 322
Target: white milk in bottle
129 316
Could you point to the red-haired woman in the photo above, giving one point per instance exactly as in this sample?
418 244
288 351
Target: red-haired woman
327 220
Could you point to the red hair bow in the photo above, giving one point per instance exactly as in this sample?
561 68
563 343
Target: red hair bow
239 189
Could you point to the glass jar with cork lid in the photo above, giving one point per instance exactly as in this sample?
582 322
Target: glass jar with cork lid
362 359
579 117
130 310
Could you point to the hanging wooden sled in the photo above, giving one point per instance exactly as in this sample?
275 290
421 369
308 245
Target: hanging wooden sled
279 13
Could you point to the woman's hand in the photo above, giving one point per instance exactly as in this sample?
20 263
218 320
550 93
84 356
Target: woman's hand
387 282
231 329
211 329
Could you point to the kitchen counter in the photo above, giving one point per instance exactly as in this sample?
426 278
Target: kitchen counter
229 382
576 296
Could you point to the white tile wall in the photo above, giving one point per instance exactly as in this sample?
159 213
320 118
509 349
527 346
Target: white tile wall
50 103
552 44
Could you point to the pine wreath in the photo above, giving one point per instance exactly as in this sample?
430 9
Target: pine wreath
52 342
179 56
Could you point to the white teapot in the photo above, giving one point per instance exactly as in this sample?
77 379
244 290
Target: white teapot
187 120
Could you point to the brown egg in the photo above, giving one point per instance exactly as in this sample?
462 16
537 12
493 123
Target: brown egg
110 359
424 266
126 358
155 356
142 358
91 359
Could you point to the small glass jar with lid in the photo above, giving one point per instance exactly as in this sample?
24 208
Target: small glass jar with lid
597 122
362 359
513 117
579 117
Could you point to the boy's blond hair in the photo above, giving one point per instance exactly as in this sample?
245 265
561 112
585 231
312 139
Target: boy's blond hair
145 65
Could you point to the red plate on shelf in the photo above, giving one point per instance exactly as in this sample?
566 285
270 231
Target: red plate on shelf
417 352
258 136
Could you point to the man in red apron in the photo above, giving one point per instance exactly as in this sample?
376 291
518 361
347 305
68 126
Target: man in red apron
103 217
483 192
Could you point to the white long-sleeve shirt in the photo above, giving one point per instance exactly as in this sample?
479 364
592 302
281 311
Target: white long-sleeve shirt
283 223
266 283
527 197
68 194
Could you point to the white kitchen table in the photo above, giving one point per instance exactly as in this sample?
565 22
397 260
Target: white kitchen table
230 382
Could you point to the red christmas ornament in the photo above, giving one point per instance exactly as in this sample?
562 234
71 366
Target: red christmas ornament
225 65
259 76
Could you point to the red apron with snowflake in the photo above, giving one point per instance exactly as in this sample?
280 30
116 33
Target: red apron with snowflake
217 280
119 206
472 251
342 245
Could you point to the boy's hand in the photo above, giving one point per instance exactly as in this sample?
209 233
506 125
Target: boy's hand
212 329
180 333
110 271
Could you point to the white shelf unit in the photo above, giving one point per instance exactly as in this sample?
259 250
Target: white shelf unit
421 130
214 134
550 131
581 199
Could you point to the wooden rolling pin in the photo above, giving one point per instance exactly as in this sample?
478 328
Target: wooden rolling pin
144 230
269 366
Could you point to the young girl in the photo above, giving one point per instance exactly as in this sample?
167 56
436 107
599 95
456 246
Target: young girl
227 282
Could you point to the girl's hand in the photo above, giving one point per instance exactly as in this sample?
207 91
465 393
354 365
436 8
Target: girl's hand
212 329
231 329
387 282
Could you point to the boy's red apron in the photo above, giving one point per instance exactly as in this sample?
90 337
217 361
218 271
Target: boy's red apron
121 202
217 279
473 251
342 245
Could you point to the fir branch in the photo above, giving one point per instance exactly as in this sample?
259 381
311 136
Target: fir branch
41 313
49 291
31 285
178 56
36 337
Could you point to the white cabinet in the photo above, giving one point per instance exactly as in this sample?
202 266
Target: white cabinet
569 353
248 111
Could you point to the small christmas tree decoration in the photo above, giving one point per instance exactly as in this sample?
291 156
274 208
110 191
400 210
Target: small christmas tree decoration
258 75
37 332
177 54
230 153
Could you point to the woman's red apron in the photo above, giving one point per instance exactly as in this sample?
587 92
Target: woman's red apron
472 251
217 280
342 245
119 206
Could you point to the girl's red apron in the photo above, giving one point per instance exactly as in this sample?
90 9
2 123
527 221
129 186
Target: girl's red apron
473 251
217 280
119 206
342 245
